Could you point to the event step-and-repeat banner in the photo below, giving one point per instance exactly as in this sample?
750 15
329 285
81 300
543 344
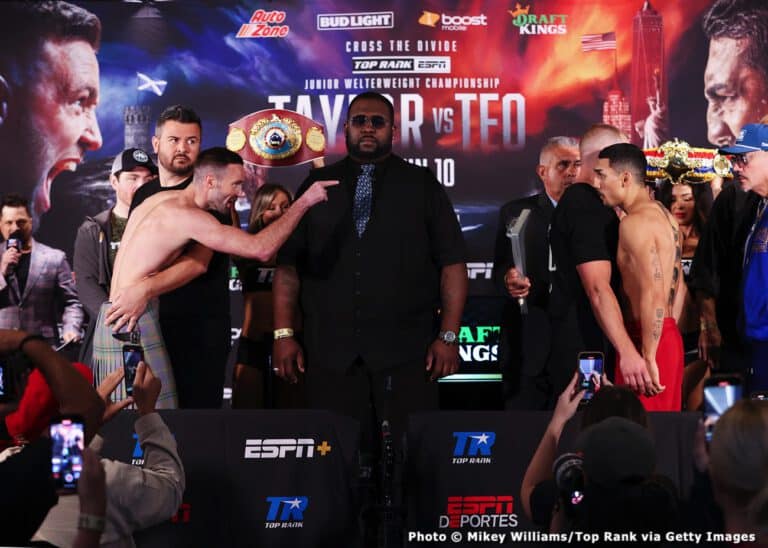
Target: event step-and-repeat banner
477 87
290 478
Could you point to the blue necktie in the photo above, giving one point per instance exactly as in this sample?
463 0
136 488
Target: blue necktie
361 210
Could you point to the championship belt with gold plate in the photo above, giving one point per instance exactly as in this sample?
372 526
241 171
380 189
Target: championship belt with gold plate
276 138
678 162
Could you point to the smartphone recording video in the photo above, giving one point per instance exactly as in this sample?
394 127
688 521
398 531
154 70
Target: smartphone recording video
590 373
6 380
132 355
67 444
720 393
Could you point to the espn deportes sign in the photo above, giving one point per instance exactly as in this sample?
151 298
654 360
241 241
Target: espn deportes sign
365 20
283 448
402 64
479 512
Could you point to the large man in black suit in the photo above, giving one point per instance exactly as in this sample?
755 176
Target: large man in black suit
525 339
369 271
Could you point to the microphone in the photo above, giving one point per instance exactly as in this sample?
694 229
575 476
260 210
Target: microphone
14 240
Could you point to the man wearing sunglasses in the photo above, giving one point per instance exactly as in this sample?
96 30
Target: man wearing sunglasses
370 269
750 162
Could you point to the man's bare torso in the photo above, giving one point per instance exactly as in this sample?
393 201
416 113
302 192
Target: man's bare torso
152 239
661 241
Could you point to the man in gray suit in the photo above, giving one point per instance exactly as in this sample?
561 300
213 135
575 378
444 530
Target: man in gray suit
35 280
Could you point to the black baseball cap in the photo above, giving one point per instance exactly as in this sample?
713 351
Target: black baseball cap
130 159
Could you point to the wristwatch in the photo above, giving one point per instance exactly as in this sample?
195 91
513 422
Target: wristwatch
448 337
90 522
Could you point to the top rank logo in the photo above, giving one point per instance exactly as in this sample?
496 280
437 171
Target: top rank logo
473 447
530 23
286 512
137 458
365 20
452 22
264 24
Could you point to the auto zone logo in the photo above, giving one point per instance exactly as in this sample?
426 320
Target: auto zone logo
264 24
285 448
473 447
285 512
479 512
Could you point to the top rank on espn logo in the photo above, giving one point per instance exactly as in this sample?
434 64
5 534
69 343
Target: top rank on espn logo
365 20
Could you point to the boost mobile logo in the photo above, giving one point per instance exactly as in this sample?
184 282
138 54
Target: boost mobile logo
281 448
473 447
452 22
285 512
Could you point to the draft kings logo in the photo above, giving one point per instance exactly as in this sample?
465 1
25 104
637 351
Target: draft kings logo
532 23
479 343
479 512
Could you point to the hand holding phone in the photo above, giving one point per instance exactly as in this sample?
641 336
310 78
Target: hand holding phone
6 381
590 374
132 355
67 445
720 393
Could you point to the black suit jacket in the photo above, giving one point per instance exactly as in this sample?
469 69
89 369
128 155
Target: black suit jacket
373 297
525 340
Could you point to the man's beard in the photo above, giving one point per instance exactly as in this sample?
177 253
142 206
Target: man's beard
178 170
25 164
381 150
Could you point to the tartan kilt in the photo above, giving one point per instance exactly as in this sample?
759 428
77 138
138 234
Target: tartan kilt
108 354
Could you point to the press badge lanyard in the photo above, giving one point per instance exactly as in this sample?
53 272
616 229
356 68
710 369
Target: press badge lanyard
758 216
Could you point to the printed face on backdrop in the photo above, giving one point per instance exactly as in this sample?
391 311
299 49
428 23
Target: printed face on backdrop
736 93
53 122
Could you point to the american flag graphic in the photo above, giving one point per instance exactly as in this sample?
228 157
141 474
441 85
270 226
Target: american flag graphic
597 42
